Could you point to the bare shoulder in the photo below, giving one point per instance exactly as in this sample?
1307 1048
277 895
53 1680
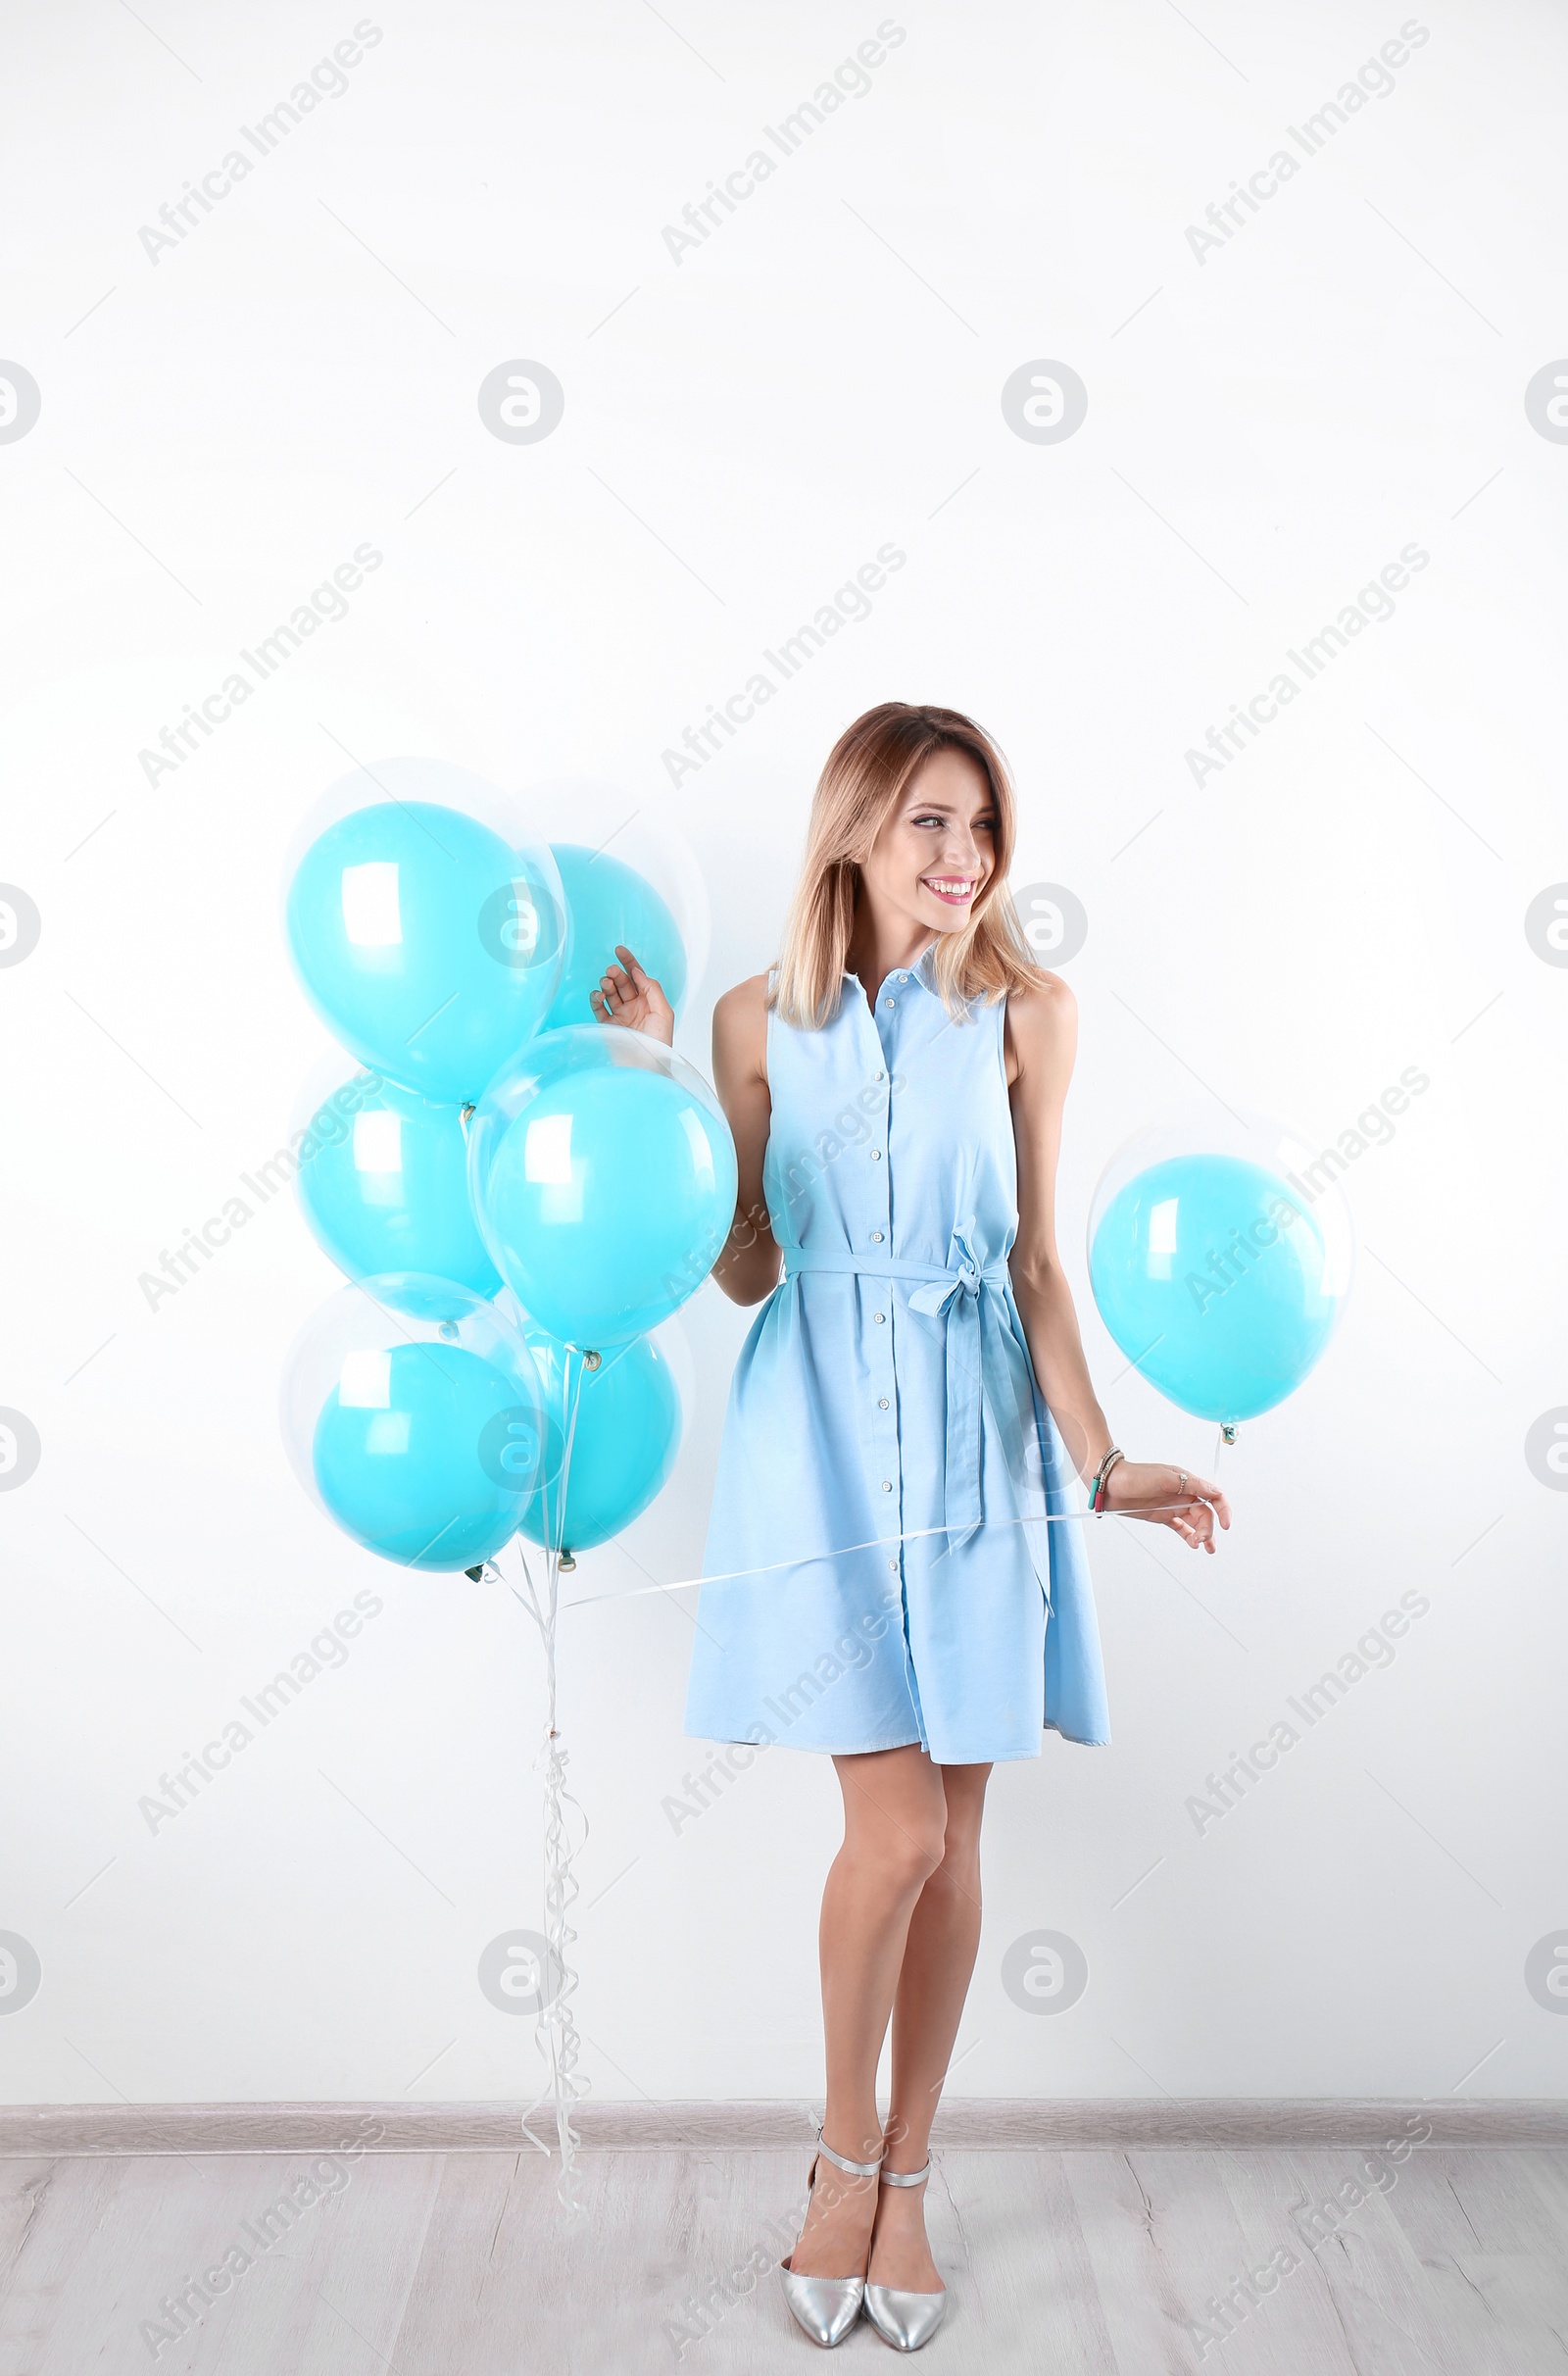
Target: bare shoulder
743 1008
739 1025
1042 1026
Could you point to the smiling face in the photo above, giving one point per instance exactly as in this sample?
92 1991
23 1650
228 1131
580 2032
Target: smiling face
938 849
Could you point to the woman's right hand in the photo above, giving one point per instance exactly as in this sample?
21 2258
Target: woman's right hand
628 996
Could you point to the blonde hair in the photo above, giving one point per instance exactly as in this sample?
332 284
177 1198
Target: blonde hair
867 773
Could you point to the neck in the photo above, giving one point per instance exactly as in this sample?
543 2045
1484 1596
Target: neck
880 945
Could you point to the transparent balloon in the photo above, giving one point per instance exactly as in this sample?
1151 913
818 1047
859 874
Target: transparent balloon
640 832
383 1183
1221 1252
602 1177
672 1343
397 780
670 1340
413 1414
624 1416
428 942
611 907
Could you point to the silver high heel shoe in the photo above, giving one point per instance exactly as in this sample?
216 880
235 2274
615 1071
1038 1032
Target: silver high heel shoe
905 2320
827 2307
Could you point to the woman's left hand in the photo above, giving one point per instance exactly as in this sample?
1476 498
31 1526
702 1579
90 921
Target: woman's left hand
1175 1498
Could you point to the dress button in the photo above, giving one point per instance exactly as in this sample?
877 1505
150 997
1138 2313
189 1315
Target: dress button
877 1237
881 1402
879 1317
887 1484
887 1002
876 1154
876 1077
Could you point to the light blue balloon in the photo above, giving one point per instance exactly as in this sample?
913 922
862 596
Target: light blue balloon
1213 1276
425 944
603 1176
432 1462
383 1183
623 1441
609 903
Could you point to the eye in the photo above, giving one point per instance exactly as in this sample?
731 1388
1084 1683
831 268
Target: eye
981 825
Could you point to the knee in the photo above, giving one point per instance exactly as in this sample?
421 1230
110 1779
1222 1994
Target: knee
904 1855
919 1852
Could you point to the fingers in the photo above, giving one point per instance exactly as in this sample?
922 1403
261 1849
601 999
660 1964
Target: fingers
1188 1509
626 988
613 998
643 984
1212 1495
1194 1522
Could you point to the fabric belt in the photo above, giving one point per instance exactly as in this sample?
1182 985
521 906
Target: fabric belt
953 1290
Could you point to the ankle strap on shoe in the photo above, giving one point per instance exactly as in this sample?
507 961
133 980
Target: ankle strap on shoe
856 2169
907 2177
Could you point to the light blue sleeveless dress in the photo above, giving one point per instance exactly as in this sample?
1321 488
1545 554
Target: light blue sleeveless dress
879 1569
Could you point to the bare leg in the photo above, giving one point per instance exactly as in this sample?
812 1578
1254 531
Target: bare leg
895 1828
939 1956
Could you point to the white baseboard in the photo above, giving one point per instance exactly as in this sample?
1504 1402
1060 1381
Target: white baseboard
972 2124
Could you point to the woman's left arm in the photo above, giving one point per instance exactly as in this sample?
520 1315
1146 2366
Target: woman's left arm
1042 1041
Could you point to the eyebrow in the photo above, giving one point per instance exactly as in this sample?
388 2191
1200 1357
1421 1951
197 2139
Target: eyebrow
945 807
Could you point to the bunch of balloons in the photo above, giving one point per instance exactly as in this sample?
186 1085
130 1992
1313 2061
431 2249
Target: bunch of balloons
1220 1254
518 1193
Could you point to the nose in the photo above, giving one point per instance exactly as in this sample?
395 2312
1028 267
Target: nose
960 852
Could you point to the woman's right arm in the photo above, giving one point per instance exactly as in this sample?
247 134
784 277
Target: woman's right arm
749 1268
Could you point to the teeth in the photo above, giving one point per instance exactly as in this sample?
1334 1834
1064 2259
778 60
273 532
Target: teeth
959 885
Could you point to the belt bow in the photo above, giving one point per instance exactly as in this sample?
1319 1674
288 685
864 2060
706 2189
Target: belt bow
957 1295
951 1292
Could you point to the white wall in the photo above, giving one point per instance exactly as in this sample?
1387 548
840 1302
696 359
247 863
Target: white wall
1267 428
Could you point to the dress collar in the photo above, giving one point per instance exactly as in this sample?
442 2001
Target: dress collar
923 970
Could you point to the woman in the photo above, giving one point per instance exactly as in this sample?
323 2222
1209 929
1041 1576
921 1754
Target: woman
896 1579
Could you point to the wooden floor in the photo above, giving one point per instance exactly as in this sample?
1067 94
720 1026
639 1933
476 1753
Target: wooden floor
464 2263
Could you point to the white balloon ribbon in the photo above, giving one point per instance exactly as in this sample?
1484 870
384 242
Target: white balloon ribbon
555 2030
